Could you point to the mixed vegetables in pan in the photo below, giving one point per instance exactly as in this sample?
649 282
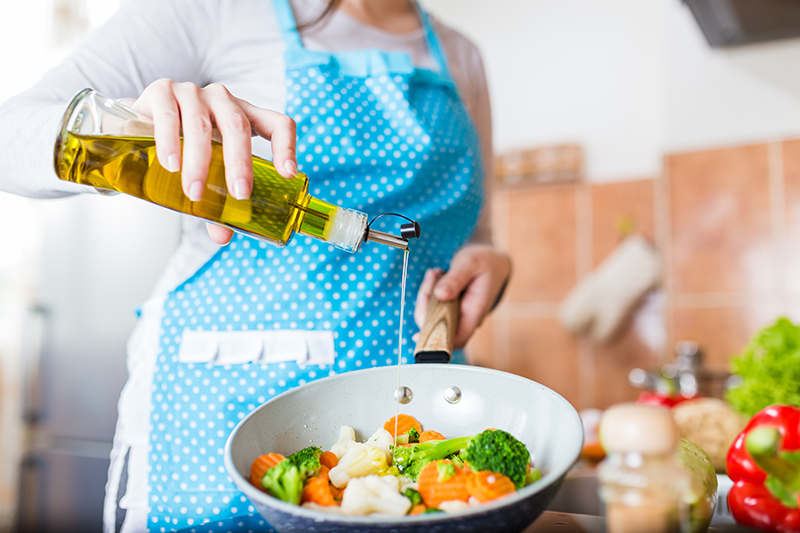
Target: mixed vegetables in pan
418 472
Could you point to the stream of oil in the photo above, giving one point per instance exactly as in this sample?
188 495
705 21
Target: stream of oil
397 394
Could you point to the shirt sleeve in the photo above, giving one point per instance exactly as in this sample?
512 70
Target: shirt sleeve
466 66
144 41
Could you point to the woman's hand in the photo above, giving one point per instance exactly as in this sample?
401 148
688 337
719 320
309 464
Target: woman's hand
175 107
479 272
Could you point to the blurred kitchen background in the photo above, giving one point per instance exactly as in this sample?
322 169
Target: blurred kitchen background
614 119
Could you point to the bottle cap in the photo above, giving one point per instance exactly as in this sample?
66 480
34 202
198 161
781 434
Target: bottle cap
634 428
410 230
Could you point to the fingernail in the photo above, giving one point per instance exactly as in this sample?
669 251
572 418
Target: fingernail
173 163
240 189
196 191
290 167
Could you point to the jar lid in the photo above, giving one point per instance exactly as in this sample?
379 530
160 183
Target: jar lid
634 428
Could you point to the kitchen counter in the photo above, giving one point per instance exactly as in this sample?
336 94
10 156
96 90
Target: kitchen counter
554 522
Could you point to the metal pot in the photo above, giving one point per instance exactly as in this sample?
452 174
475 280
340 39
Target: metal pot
452 399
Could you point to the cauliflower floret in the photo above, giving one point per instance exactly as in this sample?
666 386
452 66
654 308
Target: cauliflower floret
407 483
361 459
347 438
374 494
453 506
382 439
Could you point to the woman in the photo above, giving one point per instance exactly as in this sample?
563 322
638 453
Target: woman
385 110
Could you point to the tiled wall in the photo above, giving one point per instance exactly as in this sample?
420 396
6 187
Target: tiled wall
727 223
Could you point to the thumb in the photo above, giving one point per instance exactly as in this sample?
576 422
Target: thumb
452 283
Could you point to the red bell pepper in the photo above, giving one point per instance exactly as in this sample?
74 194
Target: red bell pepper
764 464
648 397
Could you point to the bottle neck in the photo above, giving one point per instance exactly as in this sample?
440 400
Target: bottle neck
343 228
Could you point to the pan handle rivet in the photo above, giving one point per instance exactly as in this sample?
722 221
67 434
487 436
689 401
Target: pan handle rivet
452 394
403 395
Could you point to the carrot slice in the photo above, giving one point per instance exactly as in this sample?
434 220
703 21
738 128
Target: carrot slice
429 434
328 459
261 465
485 485
418 509
435 491
404 425
318 490
323 472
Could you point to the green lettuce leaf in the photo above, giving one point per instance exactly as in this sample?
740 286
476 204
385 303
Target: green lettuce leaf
769 368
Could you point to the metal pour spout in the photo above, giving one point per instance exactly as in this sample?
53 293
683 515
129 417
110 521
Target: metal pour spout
407 231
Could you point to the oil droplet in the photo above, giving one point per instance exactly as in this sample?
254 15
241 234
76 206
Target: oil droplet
305 426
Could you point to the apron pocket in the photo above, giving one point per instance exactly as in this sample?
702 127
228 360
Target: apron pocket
305 347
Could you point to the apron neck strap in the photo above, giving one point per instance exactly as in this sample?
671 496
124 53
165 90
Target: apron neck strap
435 47
288 27
287 24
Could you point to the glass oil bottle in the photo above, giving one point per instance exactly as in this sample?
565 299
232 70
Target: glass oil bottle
106 145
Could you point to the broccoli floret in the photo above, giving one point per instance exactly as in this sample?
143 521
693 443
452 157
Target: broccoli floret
414 496
307 460
498 451
413 436
410 460
430 510
285 480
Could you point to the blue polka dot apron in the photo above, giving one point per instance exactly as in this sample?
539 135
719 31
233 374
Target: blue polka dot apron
375 134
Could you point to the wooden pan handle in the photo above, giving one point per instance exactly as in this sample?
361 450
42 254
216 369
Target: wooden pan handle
435 343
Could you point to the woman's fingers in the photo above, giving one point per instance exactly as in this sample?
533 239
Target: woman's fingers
219 234
475 305
183 109
477 273
158 102
197 126
464 277
282 133
233 124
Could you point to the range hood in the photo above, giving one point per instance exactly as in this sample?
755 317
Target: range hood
737 22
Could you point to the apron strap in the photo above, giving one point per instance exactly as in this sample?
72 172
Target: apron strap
435 45
287 24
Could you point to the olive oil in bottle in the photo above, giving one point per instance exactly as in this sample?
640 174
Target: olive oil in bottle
105 145
277 208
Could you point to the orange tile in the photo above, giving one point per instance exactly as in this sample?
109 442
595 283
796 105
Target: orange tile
541 350
720 220
612 364
721 332
791 183
617 205
541 241
480 348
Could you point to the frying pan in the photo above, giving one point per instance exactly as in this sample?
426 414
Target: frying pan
455 400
